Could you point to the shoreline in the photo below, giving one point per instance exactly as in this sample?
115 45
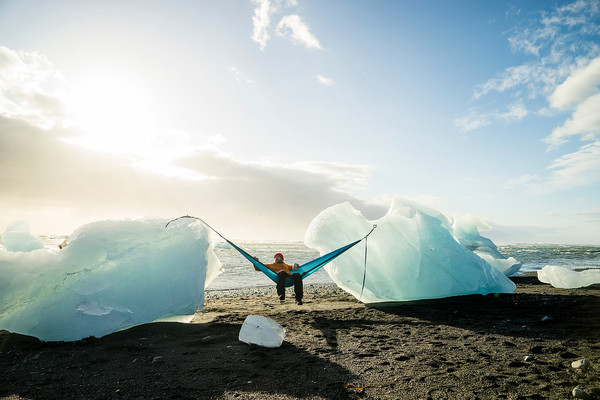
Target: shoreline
529 277
486 347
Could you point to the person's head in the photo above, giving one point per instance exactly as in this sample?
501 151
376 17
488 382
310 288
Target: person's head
278 257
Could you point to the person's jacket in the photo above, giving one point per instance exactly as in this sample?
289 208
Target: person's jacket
278 267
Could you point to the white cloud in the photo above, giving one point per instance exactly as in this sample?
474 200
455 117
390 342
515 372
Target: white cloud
290 26
577 169
584 121
278 201
581 168
521 180
472 121
239 76
325 81
564 70
579 91
536 78
591 216
51 178
294 27
531 42
580 85
557 41
475 120
516 112
347 176
31 89
261 21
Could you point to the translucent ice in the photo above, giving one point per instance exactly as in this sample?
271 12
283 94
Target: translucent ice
261 331
17 237
565 278
466 231
411 255
111 275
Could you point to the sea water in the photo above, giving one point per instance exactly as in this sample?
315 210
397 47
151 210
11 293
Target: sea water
535 256
239 273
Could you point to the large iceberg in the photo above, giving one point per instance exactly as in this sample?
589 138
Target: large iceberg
412 255
565 278
466 231
111 275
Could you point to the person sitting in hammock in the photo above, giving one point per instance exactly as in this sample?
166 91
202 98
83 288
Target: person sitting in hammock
284 271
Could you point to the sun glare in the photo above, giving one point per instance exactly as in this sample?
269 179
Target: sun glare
114 112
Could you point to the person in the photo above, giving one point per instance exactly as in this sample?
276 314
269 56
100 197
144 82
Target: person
284 271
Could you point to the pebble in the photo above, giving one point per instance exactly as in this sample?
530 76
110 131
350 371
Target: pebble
269 290
580 363
546 318
580 393
528 358
157 359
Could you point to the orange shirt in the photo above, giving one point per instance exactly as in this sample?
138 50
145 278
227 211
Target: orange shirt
278 267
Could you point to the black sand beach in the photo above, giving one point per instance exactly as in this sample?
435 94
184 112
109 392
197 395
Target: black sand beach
509 346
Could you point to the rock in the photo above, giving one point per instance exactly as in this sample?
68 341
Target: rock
580 364
157 359
528 358
580 394
546 318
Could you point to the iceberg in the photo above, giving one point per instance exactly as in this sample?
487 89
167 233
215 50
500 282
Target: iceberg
412 255
110 275
565 278
466 231
17 237
261 331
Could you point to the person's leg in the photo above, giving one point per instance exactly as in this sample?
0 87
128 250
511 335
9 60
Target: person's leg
281 285
298 287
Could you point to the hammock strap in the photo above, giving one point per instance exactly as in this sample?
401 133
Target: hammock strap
305 270
365 269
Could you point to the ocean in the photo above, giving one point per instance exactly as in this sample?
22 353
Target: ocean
239 273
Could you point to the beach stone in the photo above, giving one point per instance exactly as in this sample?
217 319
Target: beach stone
528 358
580 364
546 318
580 394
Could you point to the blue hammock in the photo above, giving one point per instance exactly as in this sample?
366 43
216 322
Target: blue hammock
304 270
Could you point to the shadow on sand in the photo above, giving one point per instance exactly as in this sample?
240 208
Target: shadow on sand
164 360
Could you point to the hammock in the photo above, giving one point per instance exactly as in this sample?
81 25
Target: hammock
304 270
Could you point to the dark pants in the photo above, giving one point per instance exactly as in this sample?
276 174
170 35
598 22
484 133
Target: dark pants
298 288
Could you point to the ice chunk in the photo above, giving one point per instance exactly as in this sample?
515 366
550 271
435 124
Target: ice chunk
565 278
411 255
17 237
261 331
466 231
111 275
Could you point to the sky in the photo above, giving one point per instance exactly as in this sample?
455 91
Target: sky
256 115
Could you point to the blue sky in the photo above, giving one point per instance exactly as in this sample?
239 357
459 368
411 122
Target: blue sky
257 115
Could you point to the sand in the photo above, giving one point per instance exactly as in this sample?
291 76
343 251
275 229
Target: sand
509 346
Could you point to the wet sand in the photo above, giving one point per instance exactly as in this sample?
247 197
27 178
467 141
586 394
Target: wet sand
468 347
